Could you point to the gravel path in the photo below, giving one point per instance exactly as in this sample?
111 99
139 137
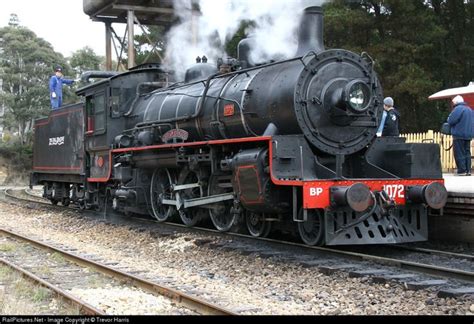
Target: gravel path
243 283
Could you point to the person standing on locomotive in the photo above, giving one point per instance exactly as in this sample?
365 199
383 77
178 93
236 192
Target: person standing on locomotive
390 125
461 121
56 87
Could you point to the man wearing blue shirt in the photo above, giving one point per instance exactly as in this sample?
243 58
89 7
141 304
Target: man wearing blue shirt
461 120
56 87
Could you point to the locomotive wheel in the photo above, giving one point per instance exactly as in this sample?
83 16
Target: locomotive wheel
220 213
162 188
54 202
312 231
65 202
257 225
191 216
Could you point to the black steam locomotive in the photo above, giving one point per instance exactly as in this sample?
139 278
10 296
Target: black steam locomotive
289 145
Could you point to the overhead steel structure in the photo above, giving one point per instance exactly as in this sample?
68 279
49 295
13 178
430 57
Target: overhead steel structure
131 12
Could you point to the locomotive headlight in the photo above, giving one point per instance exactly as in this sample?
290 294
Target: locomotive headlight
357 96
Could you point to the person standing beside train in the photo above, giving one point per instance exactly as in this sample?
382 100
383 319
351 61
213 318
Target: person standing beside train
382 124
56 87
461 121
390 119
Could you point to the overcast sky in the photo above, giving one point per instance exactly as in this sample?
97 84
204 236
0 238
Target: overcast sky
62 23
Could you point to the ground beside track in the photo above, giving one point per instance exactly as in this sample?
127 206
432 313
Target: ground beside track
19 296
244 283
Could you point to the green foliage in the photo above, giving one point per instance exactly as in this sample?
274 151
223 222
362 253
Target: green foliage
84 60
26 64
81 61
19 156
232 44
5 273
7 247
151 47
41 294
420 47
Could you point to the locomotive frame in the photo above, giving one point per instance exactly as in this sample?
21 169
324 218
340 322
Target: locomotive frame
286 146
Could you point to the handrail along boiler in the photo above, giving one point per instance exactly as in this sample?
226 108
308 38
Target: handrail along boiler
289 145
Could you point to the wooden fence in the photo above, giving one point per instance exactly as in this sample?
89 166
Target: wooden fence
445 142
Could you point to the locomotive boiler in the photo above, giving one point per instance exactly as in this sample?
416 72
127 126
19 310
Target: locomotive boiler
332 97
288 145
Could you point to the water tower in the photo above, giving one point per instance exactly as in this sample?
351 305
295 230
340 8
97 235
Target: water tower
130 12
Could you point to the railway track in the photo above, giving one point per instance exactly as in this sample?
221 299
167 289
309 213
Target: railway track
437 252
26 196
40 261
406 259
355 254
82 306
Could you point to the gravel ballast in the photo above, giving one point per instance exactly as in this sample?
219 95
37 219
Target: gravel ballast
247 284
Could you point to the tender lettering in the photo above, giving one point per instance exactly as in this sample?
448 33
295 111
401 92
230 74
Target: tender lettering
56 141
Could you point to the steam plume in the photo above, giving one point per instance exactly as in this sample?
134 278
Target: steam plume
275 31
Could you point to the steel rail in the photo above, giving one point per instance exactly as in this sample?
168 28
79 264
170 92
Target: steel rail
9 195
84 307
192 303
431 251
408 265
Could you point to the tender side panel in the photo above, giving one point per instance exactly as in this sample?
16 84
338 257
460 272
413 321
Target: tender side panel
59 142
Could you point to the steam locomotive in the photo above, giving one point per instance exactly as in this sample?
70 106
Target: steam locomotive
288 145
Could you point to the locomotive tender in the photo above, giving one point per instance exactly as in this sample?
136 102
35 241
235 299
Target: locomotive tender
289 145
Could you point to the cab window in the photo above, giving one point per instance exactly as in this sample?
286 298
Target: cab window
96 113
121 100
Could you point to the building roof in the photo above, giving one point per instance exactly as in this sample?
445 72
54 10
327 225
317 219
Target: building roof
451 93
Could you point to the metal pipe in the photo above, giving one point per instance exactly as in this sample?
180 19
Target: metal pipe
97 75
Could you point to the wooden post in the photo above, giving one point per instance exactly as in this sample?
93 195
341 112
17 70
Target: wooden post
108 46
131 36
430 135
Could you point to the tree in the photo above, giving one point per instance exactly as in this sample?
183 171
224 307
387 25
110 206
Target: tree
150 46
456 48
232 43
404 38
85 59
26 64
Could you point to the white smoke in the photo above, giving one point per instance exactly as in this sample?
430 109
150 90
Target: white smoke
275 32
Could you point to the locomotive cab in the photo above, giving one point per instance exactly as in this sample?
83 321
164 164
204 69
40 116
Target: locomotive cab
108 108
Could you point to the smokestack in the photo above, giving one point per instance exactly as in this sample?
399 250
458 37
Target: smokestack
310 35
